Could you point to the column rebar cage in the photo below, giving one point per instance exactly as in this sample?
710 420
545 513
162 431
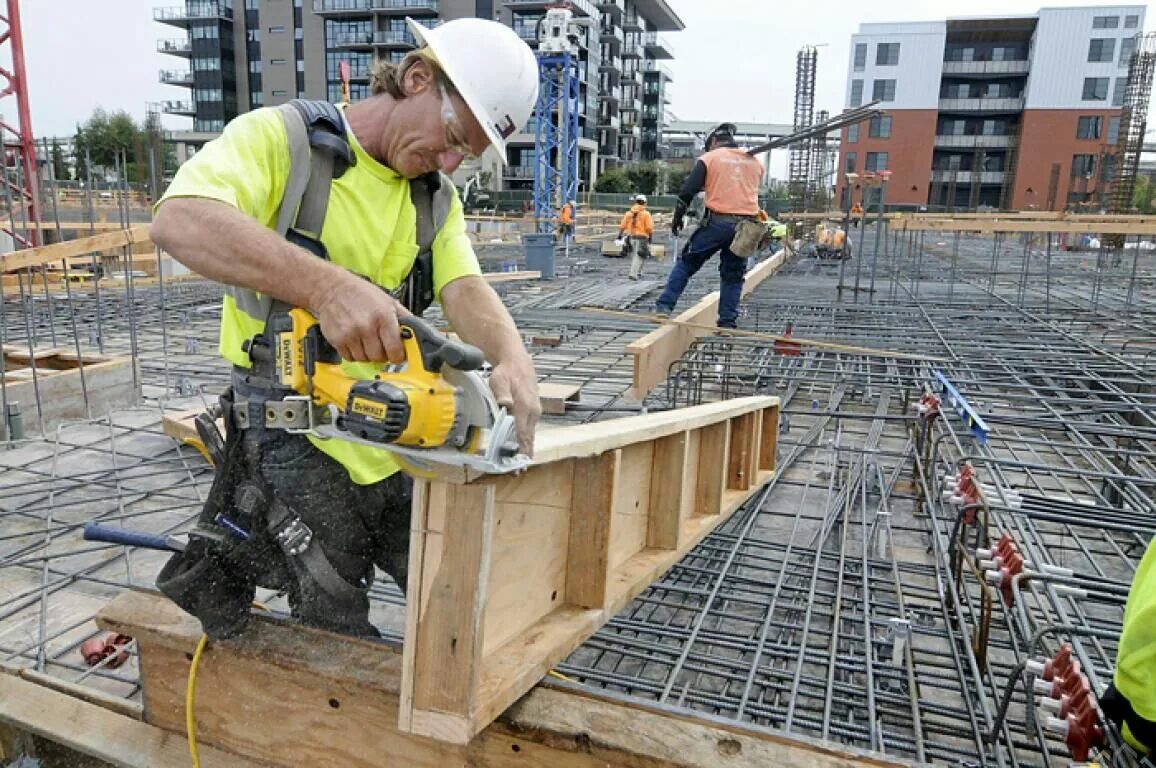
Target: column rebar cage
799 171
1133 122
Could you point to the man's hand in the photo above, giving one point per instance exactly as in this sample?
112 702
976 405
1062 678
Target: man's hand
676 224
360 320
515 387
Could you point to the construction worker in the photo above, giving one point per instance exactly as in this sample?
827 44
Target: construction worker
316 516
1130 701
856 214
638 228
566 220
730 178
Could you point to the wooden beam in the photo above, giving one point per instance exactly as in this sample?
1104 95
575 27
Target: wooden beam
604 509
655 352
510 277
553 396
1147 227
45 254
325 699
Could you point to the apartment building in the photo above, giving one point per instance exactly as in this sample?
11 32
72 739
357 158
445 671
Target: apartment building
244 54
1011 112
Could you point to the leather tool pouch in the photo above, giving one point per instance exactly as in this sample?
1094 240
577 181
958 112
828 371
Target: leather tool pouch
748 232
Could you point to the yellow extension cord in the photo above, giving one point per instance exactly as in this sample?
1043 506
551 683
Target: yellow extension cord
190 697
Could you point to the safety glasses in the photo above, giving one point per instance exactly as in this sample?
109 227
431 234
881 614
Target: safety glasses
456 140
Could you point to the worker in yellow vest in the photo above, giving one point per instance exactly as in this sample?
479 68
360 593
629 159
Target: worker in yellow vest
1130 700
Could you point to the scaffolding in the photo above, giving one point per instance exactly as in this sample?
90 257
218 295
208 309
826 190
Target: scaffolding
799 171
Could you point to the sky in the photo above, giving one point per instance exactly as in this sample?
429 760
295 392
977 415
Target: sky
734 61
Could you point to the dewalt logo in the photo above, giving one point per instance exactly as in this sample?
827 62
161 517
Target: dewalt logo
369 409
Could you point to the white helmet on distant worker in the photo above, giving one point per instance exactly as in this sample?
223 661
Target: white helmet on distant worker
492 68
640 199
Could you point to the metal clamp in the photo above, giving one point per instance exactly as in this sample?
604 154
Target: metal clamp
293 413
294 537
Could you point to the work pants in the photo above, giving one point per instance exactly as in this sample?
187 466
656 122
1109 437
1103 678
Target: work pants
714 236
639 252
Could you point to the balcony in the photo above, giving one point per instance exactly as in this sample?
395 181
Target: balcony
631 50
342 7
612 122
185 108
352 40
181 77
657 46
183 16
518 172
631 22
613 93
653 66
394 39
406 7
580 7
973 142
613 8
1015 104
968 177
985 67
180 46
613 35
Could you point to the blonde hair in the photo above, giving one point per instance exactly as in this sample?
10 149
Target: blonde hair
387 76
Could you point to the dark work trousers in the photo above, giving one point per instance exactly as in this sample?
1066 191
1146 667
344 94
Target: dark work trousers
357 526
710 238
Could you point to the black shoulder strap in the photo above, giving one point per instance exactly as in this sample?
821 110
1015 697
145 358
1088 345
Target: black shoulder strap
417 292
329 157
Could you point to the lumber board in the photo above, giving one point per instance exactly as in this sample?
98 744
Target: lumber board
46 254
555 552
655 352
510 277
108 382
1018 225
553 396
293 676
92 730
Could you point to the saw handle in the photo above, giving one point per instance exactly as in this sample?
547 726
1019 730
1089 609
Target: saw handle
437 350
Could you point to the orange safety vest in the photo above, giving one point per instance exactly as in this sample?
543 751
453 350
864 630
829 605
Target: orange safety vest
732 181
637 222
567 215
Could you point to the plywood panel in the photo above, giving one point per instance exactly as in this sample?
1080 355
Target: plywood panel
630 514
531 537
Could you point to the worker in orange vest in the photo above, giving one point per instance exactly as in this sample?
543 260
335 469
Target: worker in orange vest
730 178
566 220
856 214
637 227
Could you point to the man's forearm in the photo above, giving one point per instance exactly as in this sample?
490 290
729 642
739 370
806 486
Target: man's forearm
218 241
479 318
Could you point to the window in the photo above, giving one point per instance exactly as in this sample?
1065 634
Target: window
849 162
860 56
853 133
251 5
280 93
298 33
256 99
255 67
207 94
876 161
1113 130
856 93
204 32
1088 127
300 65
1083 165
208 126
1101 49
1095 89
1127 47
276 62
883 90
887 55
1118 91
253 35
880 127
206 65
1131 22
277 30
1105 22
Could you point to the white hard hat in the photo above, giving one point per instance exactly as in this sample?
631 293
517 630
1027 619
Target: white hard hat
640 199
491 67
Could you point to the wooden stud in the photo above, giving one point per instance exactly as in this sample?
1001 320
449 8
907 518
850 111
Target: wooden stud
671 490
769 439
588 563
742 448
713 459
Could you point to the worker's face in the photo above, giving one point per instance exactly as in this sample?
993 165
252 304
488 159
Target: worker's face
431 129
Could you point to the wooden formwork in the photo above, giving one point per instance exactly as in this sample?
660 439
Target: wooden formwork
57 380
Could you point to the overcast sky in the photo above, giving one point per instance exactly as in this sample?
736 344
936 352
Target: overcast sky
734 61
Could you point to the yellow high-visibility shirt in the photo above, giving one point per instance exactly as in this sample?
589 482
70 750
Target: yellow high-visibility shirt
370 229
1135 675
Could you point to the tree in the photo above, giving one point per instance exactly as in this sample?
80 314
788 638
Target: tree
643 178
103 137
1142 194
614 181
675 178
59 163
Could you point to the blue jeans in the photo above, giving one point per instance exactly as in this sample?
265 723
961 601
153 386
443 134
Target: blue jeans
706 241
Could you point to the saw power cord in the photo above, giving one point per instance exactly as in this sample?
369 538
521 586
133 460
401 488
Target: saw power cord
190 697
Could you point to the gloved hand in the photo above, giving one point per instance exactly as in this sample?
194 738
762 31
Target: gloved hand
676 224
622 234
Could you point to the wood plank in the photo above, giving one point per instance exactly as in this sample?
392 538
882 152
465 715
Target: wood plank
713 460
671 490
92 730
45 254
510 277
588 560
741 447
630 507
769 439
655 352
449 628
1054 227
553 395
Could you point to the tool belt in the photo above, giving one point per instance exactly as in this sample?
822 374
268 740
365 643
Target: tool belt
245 535
749 232
1119 710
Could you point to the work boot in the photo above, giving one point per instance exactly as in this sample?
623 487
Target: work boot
662 311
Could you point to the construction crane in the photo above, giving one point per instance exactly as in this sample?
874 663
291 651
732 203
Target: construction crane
556 116
19 143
